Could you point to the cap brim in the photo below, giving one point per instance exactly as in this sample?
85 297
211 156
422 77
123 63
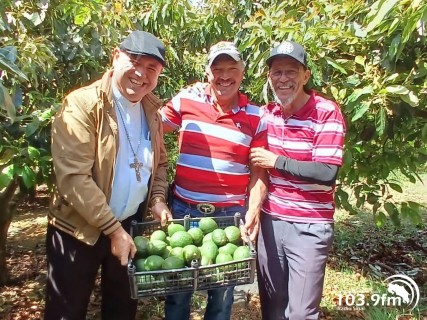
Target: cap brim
162 62
235 57
271 58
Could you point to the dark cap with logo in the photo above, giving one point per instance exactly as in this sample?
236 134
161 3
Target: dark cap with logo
145 44
288 49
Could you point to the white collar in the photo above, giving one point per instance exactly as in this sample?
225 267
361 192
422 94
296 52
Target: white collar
125 103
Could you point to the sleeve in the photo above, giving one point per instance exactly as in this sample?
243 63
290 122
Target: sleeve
160 184
171 113
321 173
73 153
260 138
328 141
327 148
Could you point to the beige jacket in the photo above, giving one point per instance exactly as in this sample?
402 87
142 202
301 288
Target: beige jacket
84 147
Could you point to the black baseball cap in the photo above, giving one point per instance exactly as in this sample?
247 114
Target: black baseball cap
145 44
288 49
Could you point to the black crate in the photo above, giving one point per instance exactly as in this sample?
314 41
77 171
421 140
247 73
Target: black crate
189 279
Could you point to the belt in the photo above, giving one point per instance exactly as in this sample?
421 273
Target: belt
203 207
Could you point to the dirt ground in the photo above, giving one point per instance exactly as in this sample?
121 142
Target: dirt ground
23 298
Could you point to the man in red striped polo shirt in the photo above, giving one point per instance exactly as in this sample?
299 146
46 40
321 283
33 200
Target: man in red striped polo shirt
305 149
218 126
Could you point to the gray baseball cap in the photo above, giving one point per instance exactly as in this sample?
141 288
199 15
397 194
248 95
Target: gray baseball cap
288 49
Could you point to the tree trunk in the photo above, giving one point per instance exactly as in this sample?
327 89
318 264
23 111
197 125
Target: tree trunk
7 210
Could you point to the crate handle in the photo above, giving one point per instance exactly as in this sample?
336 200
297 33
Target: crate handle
249 242
237 219
187 221
132 284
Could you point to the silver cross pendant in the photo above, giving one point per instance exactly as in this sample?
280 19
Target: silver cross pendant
137 165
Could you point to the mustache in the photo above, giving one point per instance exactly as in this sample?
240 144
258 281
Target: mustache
286 102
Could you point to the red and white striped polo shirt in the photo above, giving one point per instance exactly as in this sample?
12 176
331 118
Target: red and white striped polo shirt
213 149
313 133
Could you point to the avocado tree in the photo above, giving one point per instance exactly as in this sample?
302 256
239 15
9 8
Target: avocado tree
24 158
38 64
370 57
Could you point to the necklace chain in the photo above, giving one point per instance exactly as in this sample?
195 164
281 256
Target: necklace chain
136 164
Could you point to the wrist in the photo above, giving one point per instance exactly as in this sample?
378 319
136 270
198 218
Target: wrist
156 200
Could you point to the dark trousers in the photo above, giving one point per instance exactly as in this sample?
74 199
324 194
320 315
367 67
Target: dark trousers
72 270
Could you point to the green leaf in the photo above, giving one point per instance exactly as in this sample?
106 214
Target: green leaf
385 7
398 89
353 80
360 60
32 127
10 53
9 66
411 99
358 93
28 176
410 26
424 133
380 121
82 16
6 176
34 17
361 110
6 156
392 50
392 212
335 65
33 153
348 157
375 207
380 219
396 187
412 214
414 205
7 104
4 180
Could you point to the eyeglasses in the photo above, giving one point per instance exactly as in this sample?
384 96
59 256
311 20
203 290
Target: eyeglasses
289 74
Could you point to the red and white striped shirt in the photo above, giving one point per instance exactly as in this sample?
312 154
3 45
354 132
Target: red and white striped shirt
213 149
313 133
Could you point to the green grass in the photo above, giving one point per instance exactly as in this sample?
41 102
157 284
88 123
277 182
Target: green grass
364 255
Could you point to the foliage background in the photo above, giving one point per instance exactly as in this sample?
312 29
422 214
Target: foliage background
369 56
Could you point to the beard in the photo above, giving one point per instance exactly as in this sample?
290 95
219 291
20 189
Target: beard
284 101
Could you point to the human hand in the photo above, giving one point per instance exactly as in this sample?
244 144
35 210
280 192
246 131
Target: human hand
262 158
249 231
161 213
122 245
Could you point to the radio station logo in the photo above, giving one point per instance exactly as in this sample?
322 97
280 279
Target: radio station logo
402 291
404 287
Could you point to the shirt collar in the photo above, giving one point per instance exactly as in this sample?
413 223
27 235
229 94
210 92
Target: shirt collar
276 108
242 99
125 103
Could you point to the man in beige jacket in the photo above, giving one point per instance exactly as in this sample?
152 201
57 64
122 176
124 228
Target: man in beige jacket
110 166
